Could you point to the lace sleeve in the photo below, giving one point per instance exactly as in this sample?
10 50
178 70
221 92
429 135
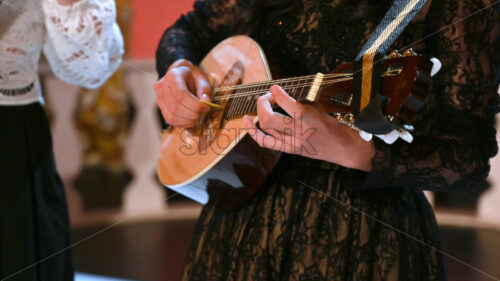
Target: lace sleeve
84 45
194 34
456 135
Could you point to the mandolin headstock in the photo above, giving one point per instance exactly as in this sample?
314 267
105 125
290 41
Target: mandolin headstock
408 90
405 86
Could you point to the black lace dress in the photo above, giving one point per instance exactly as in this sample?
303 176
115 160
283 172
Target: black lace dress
317 221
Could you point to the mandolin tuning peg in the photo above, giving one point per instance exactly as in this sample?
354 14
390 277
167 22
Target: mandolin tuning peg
429 66
409 52
436 66
394 54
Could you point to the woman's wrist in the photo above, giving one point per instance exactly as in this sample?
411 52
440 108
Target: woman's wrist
356 153
361 157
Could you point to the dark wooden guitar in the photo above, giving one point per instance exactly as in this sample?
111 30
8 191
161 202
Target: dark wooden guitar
216 160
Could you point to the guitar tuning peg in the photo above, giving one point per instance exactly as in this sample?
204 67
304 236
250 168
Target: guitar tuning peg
394 54
409 52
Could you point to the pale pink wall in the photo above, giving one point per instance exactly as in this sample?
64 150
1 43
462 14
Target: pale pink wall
150 18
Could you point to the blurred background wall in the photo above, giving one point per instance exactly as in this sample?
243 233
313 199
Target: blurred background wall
106 141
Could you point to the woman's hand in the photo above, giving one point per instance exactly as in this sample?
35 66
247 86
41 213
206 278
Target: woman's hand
308 131
179 93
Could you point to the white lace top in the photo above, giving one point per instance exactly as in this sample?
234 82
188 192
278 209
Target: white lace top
82 43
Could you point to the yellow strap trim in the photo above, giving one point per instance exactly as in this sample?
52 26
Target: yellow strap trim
367 72
366 86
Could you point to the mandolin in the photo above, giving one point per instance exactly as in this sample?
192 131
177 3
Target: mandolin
217 160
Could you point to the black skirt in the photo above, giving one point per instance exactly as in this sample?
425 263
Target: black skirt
34 223
308 222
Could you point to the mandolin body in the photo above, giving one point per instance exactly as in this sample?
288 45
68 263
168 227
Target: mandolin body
224 163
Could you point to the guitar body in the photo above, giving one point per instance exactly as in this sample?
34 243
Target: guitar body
222 163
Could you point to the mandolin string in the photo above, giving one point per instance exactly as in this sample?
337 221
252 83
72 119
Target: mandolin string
277 81
286 80
267 84
328 82
306 78
250 106
238 106
300 83
260 92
